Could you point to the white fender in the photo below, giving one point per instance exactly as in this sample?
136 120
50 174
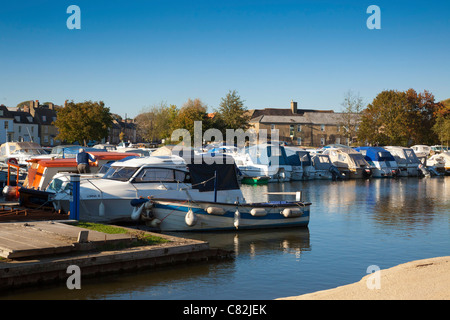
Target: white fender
136 212
292 212
155 223
258 212
237 217
190 218
215 210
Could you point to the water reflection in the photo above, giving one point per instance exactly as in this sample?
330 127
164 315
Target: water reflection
258 242
354 224
405 203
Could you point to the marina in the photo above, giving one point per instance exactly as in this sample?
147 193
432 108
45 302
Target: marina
356 223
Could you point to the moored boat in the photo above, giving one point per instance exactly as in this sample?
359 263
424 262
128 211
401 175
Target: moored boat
189 214
382 162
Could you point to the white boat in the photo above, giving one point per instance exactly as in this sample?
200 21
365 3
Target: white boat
407 161
20 152
382 162
171 184
349 162
325 169
264 162
421 150
300 160
211 214
440 162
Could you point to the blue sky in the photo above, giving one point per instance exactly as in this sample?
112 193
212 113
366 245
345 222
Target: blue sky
134 54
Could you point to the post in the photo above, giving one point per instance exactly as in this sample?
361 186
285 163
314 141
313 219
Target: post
75 200
215 186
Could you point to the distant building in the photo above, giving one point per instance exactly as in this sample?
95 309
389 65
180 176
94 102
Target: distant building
44 116
302 127
128 127
6 125
25 127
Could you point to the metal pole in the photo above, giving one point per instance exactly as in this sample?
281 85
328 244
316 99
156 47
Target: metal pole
215 186
75 200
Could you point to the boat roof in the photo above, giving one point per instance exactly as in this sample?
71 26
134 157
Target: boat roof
152 160
71 162
376 153
23 145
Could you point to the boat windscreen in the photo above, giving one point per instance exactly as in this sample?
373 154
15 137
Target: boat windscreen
120 173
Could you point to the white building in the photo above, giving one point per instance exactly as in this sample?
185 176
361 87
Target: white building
25 127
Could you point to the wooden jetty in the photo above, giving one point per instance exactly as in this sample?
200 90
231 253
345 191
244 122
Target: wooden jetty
37 252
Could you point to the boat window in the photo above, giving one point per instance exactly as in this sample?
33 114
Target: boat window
160 175
358 159
120 173
323 159
385 156
55 185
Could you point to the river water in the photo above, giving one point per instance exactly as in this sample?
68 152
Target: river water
354 224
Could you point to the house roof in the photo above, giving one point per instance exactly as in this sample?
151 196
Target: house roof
22 117
6 113
305 116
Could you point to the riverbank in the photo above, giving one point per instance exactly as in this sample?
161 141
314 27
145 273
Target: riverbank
427 279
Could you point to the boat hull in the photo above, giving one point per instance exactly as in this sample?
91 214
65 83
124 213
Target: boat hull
172 215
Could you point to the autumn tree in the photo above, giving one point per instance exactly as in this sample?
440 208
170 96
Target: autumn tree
399 118
191 111
83 121
156 122
442 124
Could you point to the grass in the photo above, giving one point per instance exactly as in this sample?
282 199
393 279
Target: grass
143 238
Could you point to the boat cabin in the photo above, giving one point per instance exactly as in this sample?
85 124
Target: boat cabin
41 171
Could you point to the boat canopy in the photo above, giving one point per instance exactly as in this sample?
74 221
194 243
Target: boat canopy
375 154
268 154
210 175
298 157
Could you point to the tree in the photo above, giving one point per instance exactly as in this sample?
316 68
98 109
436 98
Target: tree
442 125
352 107
192 110
156 122
399 118
232 113
83 121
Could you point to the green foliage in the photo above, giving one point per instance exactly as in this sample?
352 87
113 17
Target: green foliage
192 110
399 118
232 113
156 122
83 121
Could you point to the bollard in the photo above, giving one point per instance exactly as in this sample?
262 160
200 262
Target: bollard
75 200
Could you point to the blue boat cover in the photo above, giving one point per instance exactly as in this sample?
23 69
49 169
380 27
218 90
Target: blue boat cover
375 154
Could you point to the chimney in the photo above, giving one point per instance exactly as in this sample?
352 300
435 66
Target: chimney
51 106
293 107
65 103
32 108
37 103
